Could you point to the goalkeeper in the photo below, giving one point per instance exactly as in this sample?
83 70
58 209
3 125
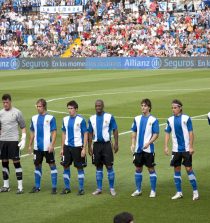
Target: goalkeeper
10 119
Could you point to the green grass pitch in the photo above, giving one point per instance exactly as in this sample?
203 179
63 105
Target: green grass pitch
122 92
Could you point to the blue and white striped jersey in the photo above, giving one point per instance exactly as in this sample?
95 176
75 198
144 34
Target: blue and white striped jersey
42 126
145 127
179 126
74 128
101 126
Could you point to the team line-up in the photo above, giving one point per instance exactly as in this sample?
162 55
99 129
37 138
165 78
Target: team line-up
77 138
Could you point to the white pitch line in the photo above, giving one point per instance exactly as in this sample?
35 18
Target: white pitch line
129 92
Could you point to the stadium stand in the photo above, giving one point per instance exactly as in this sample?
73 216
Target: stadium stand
105 29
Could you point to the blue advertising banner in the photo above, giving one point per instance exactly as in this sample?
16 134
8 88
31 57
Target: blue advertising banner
124 63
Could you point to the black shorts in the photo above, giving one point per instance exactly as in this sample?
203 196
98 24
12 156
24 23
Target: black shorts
73 154
102 154
143 158
39 155
179 158
9 150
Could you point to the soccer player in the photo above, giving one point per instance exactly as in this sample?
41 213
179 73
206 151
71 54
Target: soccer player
180 125
145 130
100 127
43 134
10 119
73 147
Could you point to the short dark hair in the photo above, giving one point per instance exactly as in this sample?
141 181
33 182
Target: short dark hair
123 217
147 102
43 102
101 101
6 97
178 102
73 104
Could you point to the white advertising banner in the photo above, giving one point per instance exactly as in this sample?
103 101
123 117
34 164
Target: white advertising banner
61 9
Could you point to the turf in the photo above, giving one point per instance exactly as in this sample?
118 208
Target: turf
122 92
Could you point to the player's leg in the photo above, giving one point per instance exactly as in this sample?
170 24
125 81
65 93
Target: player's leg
5 172
176 163
138 162
50 159
187 162
97 161
66 162
14 154
150 163
108 160
38 158
79 163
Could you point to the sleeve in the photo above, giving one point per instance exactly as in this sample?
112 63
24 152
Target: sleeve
83 126
168 127
32 126
20 120
189 125
208 118
134 127
113 124
90 127
63 128
53 126
155 127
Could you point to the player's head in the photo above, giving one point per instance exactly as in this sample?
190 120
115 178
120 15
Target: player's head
7 101
99 106
41 106
123 217
176 106
146 105
72 107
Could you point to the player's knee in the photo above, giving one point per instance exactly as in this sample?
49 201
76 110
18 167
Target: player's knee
5 164
17 165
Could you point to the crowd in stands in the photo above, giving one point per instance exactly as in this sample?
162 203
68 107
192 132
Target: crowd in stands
128 28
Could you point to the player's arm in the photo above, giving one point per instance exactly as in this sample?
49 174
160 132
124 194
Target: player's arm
133 141
154 137
166 140
52 144
90 140
63 138
116 136
191 140
83 153
31 140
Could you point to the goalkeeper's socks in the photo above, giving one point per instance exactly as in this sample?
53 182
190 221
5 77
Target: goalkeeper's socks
38 176
66 178
54 174
81 176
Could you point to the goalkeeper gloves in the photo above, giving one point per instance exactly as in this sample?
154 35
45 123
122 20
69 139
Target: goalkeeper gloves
22 143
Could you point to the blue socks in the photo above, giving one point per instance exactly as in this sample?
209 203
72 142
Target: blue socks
38 176
178 181
111 177
81 176
54 174
192 180
153 180
138 180
66 178
99 178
